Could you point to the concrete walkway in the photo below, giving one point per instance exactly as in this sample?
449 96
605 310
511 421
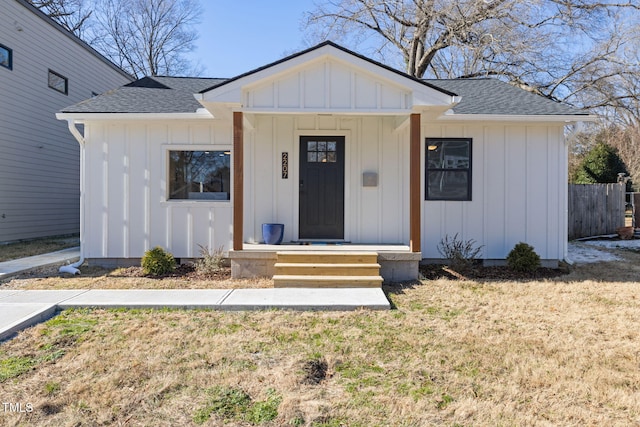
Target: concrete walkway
20 309
9 268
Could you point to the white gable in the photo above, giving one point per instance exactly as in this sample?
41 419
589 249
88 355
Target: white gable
326 80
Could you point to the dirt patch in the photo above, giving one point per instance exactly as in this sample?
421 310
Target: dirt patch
493 273
315 371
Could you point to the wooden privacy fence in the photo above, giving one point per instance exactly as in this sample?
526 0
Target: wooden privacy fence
595 209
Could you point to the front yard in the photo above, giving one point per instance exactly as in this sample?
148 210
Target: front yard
556 351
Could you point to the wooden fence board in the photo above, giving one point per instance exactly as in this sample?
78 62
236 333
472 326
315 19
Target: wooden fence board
595 209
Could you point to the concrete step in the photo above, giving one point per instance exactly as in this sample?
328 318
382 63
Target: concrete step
333 269
305 281
332 257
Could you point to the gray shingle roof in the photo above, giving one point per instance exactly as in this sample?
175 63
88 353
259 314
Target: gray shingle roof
148 95
175 95
491 96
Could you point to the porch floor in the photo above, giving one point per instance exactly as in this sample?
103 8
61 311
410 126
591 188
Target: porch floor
341 247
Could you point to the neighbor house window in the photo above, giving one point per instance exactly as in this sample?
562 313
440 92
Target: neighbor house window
448 169
6 57
58 82
199 175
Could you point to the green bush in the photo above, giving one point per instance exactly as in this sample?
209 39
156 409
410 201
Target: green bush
523 258
461 255
157 262
602 164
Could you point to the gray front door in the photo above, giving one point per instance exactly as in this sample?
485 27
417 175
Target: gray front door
321 187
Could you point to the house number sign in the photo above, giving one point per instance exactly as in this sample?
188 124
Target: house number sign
285 165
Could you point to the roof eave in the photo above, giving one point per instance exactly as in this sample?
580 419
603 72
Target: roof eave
566 118
202 113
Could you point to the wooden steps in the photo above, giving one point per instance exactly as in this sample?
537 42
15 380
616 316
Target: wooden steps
320 269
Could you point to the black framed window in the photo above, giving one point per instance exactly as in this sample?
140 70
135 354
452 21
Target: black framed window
6 57
448 169
199 175
58 82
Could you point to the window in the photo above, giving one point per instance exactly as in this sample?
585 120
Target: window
58 82
199 175
321 152
448 169
6 57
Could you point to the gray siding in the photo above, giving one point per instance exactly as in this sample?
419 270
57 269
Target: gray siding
40 160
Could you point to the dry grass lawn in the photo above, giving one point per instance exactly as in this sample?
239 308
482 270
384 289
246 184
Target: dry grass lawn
36 247
563 351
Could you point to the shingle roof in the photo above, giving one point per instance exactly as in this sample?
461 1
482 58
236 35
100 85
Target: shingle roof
491 96
175 95
148 95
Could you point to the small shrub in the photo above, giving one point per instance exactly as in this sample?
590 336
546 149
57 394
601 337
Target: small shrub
462 255
210 262
523 258
157 262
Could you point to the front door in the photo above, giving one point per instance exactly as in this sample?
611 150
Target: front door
321 187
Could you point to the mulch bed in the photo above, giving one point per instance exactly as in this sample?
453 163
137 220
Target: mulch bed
182 271
435 272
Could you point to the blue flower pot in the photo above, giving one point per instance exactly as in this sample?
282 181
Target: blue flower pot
272 233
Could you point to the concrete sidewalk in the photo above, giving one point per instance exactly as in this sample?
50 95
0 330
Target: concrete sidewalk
9 268
20 309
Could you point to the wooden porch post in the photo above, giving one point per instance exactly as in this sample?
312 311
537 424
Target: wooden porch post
238 181
414 183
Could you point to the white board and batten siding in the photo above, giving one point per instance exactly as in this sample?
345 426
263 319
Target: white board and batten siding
326 85
40 162
127 211
519 190
372 144
126 206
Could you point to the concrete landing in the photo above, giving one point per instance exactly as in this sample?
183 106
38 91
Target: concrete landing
20 309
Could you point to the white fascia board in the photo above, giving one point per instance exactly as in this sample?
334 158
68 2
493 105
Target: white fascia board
202 113
517 118
328 112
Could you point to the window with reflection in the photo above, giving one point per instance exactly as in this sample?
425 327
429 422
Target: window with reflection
199 175
58 82
321 152
448 169
6 57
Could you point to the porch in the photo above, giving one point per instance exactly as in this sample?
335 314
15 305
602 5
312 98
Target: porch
396 262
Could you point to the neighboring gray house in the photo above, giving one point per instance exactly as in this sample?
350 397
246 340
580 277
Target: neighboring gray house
340 149
43 68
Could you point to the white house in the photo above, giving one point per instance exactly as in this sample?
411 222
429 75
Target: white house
43 68
337 147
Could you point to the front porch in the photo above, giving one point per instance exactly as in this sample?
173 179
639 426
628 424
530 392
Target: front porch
397 262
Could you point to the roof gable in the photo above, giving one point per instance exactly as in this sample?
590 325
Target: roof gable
327 78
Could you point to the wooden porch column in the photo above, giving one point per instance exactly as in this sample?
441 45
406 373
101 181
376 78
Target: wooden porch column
238 181
414 183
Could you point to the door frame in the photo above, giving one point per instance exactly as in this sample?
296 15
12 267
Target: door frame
347 177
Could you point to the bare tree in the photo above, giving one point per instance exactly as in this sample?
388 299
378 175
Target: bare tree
148 37
143 37
570 50
74 15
